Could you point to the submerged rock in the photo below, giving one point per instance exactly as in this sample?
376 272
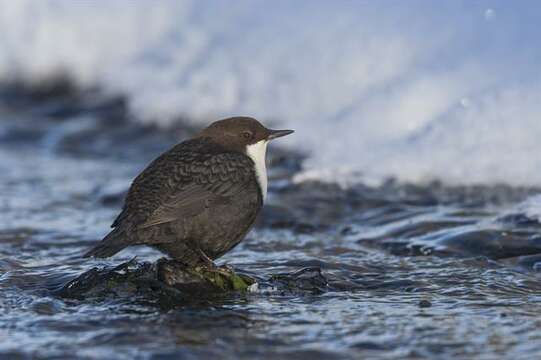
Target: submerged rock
305 280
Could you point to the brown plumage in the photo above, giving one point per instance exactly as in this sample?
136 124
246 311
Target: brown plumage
198 200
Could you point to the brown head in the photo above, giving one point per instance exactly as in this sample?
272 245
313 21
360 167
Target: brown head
237 133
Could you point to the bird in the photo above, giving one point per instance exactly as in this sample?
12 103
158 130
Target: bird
199 199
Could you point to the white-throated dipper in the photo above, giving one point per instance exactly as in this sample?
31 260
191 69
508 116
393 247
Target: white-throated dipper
198 200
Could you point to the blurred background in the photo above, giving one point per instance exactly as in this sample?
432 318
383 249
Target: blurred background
412 180
417 90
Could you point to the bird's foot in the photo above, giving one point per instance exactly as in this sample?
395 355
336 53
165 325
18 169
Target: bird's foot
206 261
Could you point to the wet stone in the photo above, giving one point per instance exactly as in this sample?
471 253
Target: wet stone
125 279
170 283
201 281
305 280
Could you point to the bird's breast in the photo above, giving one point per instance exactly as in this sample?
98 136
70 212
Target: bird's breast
257 153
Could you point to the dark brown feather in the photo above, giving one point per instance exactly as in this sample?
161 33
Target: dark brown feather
181 201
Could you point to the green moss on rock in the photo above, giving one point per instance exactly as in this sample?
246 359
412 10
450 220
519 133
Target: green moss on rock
201 279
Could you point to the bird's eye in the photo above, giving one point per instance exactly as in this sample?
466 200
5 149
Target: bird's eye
247 135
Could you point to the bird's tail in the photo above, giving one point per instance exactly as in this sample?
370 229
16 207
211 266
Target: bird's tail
115 241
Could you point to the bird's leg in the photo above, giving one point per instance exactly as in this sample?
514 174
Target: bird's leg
206 260
226 271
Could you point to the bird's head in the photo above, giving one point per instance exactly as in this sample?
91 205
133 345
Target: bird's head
243 134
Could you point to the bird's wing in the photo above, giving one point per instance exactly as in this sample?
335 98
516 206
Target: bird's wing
182 183
193 199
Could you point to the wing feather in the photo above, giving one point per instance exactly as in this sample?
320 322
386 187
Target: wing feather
182 183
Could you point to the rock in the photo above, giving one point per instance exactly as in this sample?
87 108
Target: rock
201 280
169 283
127 279
305 280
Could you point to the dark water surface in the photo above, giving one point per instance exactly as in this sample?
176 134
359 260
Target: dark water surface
413 271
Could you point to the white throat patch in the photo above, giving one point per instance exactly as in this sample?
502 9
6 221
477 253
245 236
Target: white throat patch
257 152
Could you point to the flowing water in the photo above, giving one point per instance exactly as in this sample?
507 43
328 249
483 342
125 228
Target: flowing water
413 271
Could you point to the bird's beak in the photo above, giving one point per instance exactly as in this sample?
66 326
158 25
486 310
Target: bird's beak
273 134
